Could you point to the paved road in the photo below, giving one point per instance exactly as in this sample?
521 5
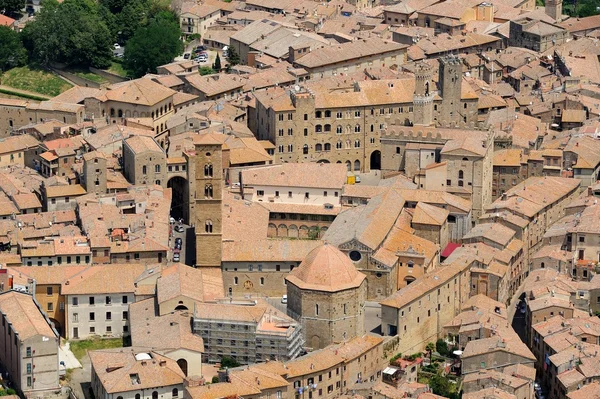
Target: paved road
81 379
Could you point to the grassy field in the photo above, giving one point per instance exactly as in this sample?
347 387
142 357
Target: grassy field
80 348
90 76
34 80
117 69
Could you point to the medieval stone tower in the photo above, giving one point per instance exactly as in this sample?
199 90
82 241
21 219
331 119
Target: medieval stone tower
327 295
94 172
450 85
208 165
423 96
554 9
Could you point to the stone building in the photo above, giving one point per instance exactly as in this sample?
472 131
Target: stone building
144 161
536 35
467 155
208 177
339 120
94 174
327 295
29 354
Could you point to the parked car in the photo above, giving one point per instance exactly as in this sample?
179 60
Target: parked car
178 243
201 58
116 46
200 48
176 257
187 56
357 178
179 228
284 299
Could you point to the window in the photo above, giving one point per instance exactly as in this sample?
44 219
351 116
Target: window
109 329
156 168
49 291
108 316
208 226
318 128
357 114
108 299
92 316
306 195
175 393
305 149
92 300
318 147
144 169
125 315
235 281
357 129
75 301
305 132
28 381
124 299
318 114
338 115
208 191
50 307
28 368
317 309
290 131
262 281
581 238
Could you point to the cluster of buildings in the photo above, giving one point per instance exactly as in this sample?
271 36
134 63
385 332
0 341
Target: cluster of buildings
371 178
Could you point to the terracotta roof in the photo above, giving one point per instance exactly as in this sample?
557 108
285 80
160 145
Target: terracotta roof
25 317
313 175
327 269
201 285
509 157
484 302
268 250
489 393
588 391
6 21
119 371
212 85
429 214
13 144
26 201
49 274
348 51
104 279
510 343
169 332
65 191
141 144
140 91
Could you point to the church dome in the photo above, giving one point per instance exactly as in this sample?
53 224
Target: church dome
328 269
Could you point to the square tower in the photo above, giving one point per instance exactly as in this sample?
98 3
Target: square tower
208 165
94 172
554 9
450 81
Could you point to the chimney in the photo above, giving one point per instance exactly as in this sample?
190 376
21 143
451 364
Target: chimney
162 363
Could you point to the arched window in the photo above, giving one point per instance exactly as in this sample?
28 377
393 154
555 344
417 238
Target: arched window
338 145
349 166
328 114
318 114
356 143
154 395
208 191
305 149
175 392
144 169
318 128
208 170
356 165
208 226
262 281
157 168
461 174
317 309
305 132
327 128
357 129
426 88
157 182
120 113
327 147
119 397
397 150
543 265
137 396
112 112
465 159
465 106
460 183
339 129
152 114
318 147
235 281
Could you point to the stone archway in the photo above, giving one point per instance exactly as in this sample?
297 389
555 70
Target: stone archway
315 342
375 160
180 198
57 326
183 365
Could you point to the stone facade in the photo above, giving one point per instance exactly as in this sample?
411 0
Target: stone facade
208 172
536 35
328 318
144 166
94 173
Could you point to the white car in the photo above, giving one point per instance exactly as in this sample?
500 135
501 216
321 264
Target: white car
284 299
116 46
179 228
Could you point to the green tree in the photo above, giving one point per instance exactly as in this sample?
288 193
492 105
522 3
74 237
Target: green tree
441 347
72 33
228 362
12 52
217 64
430 348
12 7
133 15
206 70
215 379
153 45
440 385
232 56
588 9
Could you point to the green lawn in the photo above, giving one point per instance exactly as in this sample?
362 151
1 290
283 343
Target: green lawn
91 76
80 348
35 80
117 69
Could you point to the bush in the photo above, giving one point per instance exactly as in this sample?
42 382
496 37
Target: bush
440 385
215 379
442 347
228 362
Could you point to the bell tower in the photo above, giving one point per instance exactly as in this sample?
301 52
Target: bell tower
423 95
554 9
208 165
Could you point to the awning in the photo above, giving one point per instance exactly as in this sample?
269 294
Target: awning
449 249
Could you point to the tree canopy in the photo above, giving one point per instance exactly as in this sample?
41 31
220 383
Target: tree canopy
11 7
12 52
152 45
72 32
